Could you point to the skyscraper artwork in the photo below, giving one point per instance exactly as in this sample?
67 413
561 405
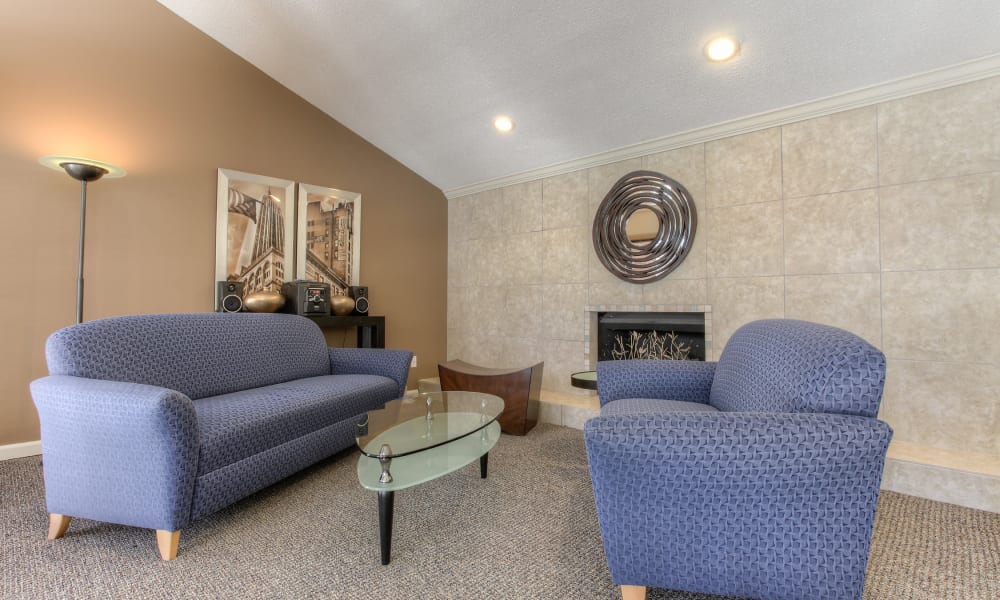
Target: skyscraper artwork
329 236
258 228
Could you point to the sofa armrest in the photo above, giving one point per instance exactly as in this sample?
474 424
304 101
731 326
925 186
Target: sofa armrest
119 452
683 499
394 364
685 380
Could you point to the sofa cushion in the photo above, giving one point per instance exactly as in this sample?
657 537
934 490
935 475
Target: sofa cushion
652 406
197 354
241 424
784 365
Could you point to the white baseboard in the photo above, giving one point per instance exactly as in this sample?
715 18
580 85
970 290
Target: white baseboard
20 450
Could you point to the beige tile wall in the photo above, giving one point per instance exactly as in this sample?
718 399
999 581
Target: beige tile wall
883 220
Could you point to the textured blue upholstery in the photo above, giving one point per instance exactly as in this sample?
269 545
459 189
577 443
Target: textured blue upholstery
772 496
241 424
394 364
198 355
226 485
783 365
119 452
155 420
686 380
648 406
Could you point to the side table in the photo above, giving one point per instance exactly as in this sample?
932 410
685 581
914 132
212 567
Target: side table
371 330
584 379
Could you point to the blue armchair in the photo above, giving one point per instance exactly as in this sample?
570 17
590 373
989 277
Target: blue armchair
755 476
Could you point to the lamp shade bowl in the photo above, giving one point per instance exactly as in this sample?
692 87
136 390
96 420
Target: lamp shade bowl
82 169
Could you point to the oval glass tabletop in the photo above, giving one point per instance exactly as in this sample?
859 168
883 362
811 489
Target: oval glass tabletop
409 425
420 467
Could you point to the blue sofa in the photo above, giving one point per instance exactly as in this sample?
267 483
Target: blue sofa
157 420
756 476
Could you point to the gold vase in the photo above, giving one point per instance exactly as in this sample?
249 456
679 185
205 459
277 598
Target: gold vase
341 305
264 302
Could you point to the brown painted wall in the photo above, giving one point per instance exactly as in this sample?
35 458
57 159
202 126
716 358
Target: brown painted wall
130 83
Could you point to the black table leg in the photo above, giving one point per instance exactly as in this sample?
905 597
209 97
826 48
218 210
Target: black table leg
385 523
484 461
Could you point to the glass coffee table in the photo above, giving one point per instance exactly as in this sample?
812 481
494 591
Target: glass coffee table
414 440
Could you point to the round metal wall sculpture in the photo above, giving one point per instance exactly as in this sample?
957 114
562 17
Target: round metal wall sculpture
645 258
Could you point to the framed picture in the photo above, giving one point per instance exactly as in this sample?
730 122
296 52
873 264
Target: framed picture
255 230
328 246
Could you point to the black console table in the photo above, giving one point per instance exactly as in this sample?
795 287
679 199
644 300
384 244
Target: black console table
371 330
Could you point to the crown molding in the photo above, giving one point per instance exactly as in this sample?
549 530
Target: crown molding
966 72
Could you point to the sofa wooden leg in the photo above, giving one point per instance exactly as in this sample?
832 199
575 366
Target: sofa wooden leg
633 592
58 525
167 542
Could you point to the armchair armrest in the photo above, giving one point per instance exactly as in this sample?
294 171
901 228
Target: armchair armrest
394 364
683 499
686 380
119 452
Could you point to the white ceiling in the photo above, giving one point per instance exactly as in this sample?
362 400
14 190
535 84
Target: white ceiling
423 80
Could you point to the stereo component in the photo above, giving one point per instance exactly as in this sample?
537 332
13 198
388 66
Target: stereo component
360 295
229 296
307 298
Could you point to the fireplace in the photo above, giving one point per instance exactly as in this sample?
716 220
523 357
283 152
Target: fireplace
657 335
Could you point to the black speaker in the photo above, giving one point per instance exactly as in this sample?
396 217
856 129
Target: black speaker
229 296
360 295
308 298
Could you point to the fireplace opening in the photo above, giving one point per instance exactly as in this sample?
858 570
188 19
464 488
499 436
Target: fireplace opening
650 335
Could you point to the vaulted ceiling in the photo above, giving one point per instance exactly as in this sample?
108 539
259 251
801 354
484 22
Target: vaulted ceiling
423 80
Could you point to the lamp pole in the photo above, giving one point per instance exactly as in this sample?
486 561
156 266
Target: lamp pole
84 171
83 233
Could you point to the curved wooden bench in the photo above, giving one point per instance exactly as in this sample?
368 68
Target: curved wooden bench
519 389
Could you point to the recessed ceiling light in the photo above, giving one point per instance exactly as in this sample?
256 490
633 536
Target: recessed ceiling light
722 48
503 124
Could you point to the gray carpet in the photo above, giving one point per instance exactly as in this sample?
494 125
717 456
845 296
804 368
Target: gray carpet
528 531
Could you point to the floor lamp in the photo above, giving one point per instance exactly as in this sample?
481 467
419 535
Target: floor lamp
83 170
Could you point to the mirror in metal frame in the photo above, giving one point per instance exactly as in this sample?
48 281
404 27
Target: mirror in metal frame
645 226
